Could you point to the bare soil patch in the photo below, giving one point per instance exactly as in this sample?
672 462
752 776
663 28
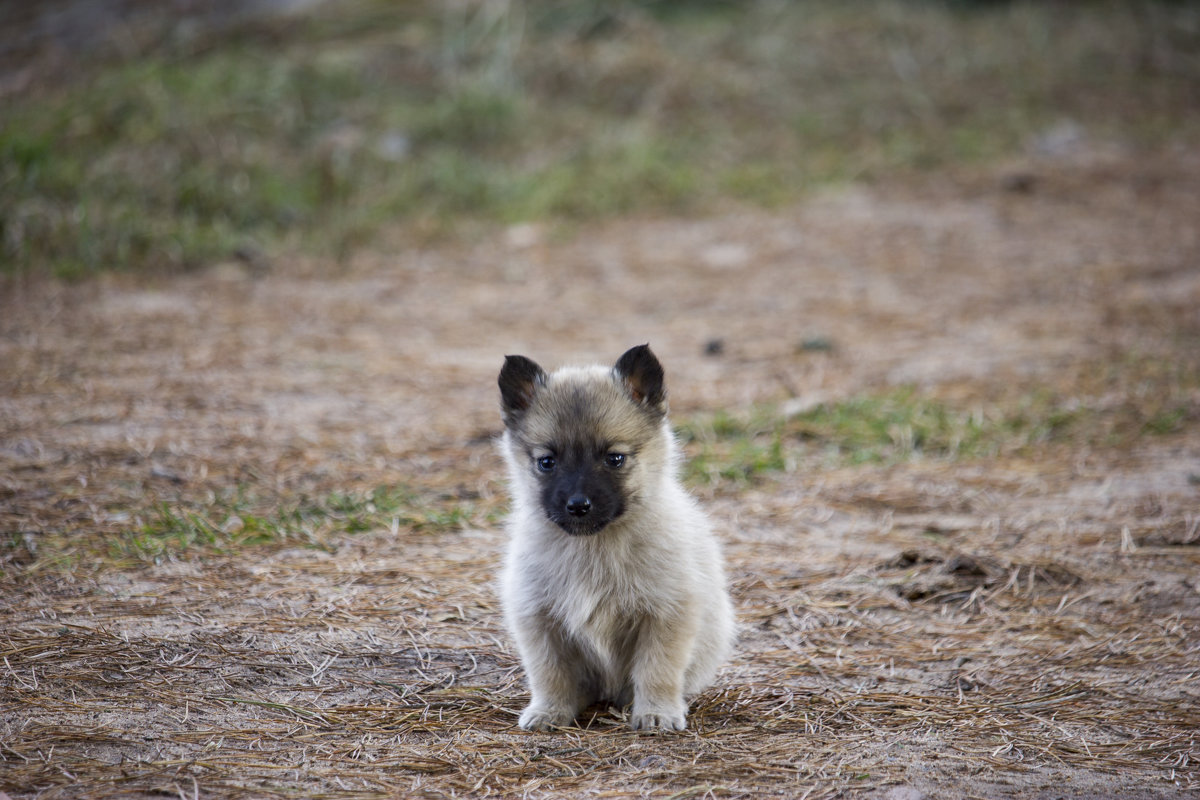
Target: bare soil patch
1022 623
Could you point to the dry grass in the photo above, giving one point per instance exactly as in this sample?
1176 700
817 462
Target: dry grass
355 675
250 521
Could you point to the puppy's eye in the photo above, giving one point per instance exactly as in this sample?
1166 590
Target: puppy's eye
545 463
615 460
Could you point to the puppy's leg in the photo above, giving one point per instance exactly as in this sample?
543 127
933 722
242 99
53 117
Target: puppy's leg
663 650
554 668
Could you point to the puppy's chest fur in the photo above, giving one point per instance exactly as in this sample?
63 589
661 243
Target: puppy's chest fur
600 593
598 587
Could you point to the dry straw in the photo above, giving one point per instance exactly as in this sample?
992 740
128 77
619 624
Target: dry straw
1025 623
366 675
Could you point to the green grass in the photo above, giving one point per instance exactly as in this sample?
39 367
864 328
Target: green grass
371 114
726 448
229 523
902 424
234 520
894 426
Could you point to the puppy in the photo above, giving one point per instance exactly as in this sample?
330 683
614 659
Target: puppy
613 585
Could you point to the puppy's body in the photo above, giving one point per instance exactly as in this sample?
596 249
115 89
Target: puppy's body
613 584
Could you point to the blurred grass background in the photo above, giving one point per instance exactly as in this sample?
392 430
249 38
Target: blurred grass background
164 143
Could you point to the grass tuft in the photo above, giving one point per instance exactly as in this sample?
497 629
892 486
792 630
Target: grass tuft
239 519
902 424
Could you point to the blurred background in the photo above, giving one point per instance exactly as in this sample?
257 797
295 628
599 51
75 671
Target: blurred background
165 136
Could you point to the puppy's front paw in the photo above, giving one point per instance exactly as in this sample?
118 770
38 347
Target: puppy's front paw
657 720
539 718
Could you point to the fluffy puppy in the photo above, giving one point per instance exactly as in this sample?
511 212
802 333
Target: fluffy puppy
613 584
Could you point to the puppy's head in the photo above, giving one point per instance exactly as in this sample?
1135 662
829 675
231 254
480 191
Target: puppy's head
587 442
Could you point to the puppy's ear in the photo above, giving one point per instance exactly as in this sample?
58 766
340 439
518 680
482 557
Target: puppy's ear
519 379
642 375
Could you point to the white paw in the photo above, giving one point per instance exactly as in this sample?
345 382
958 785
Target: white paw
658 720
537 718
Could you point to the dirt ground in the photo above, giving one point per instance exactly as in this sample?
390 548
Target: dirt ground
1023 625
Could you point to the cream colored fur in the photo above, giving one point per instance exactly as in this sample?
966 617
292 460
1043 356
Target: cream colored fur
636 614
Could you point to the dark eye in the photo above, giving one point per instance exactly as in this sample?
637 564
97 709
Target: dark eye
615 460
546 463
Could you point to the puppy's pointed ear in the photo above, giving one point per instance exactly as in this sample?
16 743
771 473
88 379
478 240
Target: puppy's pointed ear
519 379
643 377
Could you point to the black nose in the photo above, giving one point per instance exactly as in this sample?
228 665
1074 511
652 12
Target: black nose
578 505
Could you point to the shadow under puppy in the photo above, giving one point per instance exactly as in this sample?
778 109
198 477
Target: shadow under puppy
613 584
